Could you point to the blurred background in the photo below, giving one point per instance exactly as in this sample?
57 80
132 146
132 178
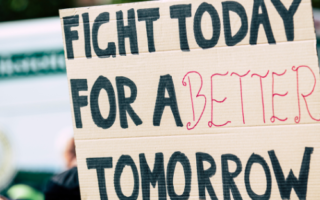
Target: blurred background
35 114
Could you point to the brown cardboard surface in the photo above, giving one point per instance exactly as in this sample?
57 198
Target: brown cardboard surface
286 141
258 59
166 29
239 100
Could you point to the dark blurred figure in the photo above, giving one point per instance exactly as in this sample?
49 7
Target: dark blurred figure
65 186
30 9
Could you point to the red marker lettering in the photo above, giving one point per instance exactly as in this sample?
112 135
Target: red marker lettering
261 86
297 118
273 118
210 123
191 96
240 76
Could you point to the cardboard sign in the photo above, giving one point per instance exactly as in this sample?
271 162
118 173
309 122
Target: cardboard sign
195 100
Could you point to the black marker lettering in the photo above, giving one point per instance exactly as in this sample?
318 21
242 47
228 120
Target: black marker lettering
181 12
179 157
86 28
129 31
258 19
100 164
299 185
236 7
166 82
254 158
287 16
124 103
149 16
126 160
148 177
201 41
204 176
111 49
78 101
227 177
102 83
68 22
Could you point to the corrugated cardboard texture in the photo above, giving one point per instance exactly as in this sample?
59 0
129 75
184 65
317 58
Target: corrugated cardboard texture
247 101
287 142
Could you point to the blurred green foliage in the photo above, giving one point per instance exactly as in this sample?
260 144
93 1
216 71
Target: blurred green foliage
316 3
36 180
30 9
125 1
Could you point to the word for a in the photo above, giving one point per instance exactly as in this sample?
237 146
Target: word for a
103 83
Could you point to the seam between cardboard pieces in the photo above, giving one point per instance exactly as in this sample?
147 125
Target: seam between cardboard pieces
177 50
187 135
197 134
